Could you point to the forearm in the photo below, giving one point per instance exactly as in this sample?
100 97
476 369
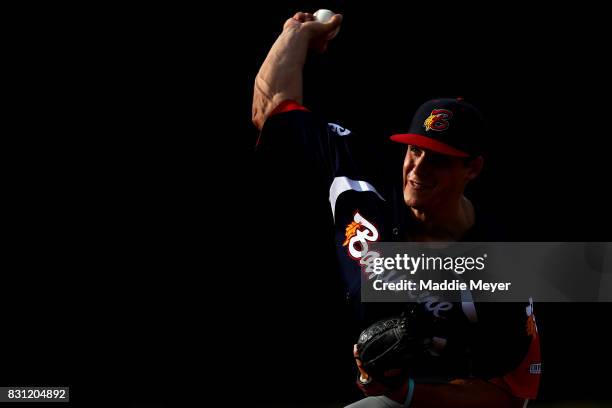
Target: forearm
472 394
280 76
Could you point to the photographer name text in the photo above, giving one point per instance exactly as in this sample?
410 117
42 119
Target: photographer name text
446 285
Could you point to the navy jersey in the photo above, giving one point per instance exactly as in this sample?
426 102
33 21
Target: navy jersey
495 341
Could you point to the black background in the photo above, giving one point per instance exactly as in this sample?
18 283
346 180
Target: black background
537 78
130 171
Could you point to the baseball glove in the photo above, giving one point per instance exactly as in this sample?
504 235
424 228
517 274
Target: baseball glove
388 348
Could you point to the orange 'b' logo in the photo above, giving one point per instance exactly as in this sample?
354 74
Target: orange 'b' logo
438 120
350 232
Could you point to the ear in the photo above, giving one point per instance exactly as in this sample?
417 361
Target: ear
474 168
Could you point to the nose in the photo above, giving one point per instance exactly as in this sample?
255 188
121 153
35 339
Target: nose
421 164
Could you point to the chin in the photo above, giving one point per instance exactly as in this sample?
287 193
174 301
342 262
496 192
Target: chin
420 200
414 202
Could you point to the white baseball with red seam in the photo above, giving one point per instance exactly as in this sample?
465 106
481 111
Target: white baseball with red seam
323 15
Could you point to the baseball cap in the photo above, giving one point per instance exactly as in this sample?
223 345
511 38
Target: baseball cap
452 127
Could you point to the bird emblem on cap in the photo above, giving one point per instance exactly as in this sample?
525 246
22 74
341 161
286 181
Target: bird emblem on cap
438 120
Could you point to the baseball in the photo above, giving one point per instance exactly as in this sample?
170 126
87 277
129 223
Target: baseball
323 15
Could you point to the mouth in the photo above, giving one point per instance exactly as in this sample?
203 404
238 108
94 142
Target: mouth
419 186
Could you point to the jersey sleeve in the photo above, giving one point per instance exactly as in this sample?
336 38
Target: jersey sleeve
507 348
306 142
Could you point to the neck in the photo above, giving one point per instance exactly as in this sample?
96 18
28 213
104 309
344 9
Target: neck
449 222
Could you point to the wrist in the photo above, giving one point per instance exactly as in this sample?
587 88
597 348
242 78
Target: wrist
410 393
364 380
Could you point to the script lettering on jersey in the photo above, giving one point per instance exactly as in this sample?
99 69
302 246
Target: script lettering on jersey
357 235
339 130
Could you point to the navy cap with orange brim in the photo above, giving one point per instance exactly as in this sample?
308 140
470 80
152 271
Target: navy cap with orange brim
451 127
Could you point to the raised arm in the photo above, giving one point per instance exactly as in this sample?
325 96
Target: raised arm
280 76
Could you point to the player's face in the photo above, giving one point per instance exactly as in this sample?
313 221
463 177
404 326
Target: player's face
432 180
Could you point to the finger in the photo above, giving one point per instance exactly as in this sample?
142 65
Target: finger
363 373
355 352
300 16
358 362
333 26
291 22
335 21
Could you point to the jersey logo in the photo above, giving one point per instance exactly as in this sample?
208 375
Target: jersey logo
360 231
357 234
350 232
532 328
535 368
438 120
339 130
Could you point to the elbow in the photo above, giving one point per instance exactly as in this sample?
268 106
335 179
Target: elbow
257 117
259 108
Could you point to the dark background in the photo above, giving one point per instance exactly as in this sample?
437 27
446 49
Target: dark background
131 172
535 76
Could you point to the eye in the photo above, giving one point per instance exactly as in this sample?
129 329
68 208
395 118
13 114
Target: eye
415 150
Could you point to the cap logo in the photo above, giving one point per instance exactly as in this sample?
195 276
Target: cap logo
438 120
